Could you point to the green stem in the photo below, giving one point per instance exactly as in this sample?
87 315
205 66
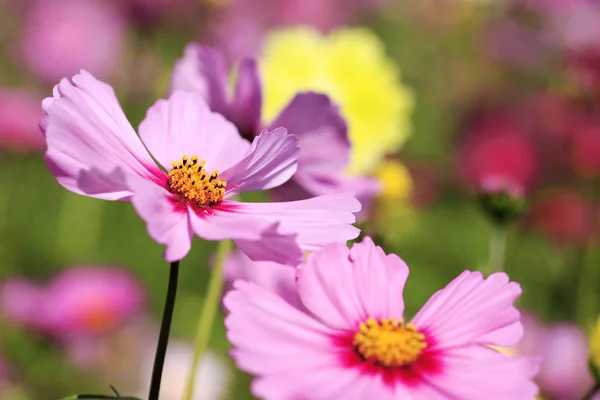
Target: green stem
586 286
497 249
585 291
207 314
165 328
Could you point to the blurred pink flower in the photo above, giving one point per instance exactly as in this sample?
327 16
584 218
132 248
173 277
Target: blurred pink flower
313 117
565 217
20 113
277 278
63 36
563 348
94 151
497 147
350 340
516 44
79 302
239 28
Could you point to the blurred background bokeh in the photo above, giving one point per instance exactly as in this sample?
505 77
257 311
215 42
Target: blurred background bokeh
480 118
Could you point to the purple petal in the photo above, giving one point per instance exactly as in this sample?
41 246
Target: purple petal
323 141
247 103
311 111
270 162
202 70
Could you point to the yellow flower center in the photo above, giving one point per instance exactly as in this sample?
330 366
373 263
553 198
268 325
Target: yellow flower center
191 182
389 342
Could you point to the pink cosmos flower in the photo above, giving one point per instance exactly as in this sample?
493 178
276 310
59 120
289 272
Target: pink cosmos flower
63 36
19 116
349 340
79 302
94 151
321 130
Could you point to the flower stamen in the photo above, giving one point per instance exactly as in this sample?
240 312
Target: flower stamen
191 182
389 342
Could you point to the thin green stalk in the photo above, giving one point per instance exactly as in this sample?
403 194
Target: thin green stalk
497 249
586 286
585 291
165 328
207 314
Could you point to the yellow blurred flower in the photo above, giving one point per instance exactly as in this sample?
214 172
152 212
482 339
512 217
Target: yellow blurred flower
396 182
351 67
595 346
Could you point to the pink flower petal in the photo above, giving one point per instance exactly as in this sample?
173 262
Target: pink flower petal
275 277
166 220
322 135
95 183
247 101
202 70
272 337
379 279
270 161
290 351
260 323
326 288
317 221
471 309
260 238
319 381
85 128
477 372
184 125
346 287
324 151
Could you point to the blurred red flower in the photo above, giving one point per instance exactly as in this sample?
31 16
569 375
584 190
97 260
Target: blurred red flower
497 147
565 217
